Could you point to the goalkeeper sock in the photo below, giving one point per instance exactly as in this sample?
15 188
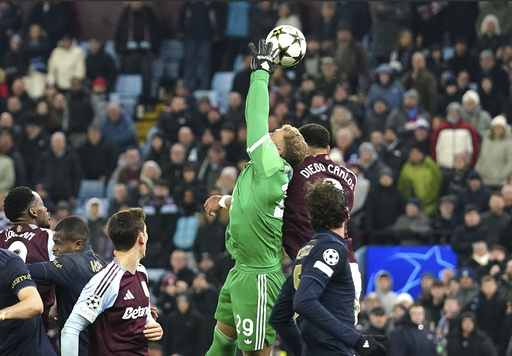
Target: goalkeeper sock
222 345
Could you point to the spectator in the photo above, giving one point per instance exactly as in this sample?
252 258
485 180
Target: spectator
377 324
349 56
78 114
158 149
392 152
33 56
449 322
287 16
376 120
99 64
403 50
137 41
236 109
489 68
341 117
479 259
65 184
328 80
34 141
421 79
490 310
325 28
8 148
449 95
391 18
7 173
491 97
444 222
67 61
421 136
341 98
435 63
99 100
189 182
319 111
496 220
262 19
371 164
489 35
473 114
420 177
461 60
411 336
130 172
410 228
96 222
53 122
172 171
98 156
505 286
237 32
467 233
200 24
357 15
475 193
309 67
403 119
459 136
383 206
433 303
150 171
428 20
204 295
175 116
178 265
461 18
185 328
118 127
212 165
54 18
210 237
384 289
470 339
455 179
385 88
119 198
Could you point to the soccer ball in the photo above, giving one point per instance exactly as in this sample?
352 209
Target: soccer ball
291 42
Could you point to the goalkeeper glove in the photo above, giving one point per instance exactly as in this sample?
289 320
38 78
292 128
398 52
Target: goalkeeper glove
263 57
368 345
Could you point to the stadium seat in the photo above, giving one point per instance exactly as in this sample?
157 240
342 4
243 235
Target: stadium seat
91 189
110 48
110 189
84 45
222 83
211 94
129 84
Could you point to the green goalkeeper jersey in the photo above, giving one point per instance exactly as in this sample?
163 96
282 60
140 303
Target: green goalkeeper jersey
253 236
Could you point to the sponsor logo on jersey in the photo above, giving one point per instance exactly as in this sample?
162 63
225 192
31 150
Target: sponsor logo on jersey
304 251
93 302
134 313
128 295
331 256
25 277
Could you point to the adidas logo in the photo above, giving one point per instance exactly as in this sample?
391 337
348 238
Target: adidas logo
366 344
128 295
248 341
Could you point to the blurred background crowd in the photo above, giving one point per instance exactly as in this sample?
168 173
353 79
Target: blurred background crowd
105 106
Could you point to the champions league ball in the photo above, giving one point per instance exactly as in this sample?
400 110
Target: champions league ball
291 42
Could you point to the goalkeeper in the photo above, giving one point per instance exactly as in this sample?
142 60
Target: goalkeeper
253 236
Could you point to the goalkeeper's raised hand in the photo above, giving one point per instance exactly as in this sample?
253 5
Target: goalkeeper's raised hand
368 345
263 57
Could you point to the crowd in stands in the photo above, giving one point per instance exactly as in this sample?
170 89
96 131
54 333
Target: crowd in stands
416 96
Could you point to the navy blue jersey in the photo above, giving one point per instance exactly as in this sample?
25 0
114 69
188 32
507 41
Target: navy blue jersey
19 337
70 273
320 289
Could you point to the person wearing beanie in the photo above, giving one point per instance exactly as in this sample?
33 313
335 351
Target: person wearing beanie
371 163
470 340
420 177
403 119
473 113
495 158
453 136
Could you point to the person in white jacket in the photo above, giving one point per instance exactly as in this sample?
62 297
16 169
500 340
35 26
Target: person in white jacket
66 61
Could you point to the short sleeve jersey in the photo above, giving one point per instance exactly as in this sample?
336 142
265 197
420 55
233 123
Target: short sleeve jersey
254 236
116 302
296 228
32 244
19 337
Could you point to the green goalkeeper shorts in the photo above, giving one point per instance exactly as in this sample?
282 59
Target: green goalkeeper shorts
245 302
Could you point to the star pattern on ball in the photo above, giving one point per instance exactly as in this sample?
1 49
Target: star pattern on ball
93 302
331 256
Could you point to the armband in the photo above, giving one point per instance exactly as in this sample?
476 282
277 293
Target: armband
222 201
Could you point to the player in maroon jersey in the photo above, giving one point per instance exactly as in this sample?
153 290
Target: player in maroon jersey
317 165
29 236
116 299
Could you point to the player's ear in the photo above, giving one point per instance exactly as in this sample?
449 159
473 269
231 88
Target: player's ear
32 212
328 149
79 244
140 237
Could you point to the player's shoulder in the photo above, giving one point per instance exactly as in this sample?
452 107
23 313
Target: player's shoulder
6 256
142 269
108 273
328 241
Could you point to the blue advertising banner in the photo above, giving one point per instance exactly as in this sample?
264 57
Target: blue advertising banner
407 264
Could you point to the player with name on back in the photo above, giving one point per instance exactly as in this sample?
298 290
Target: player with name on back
320 288
30 236
73 267
116 300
